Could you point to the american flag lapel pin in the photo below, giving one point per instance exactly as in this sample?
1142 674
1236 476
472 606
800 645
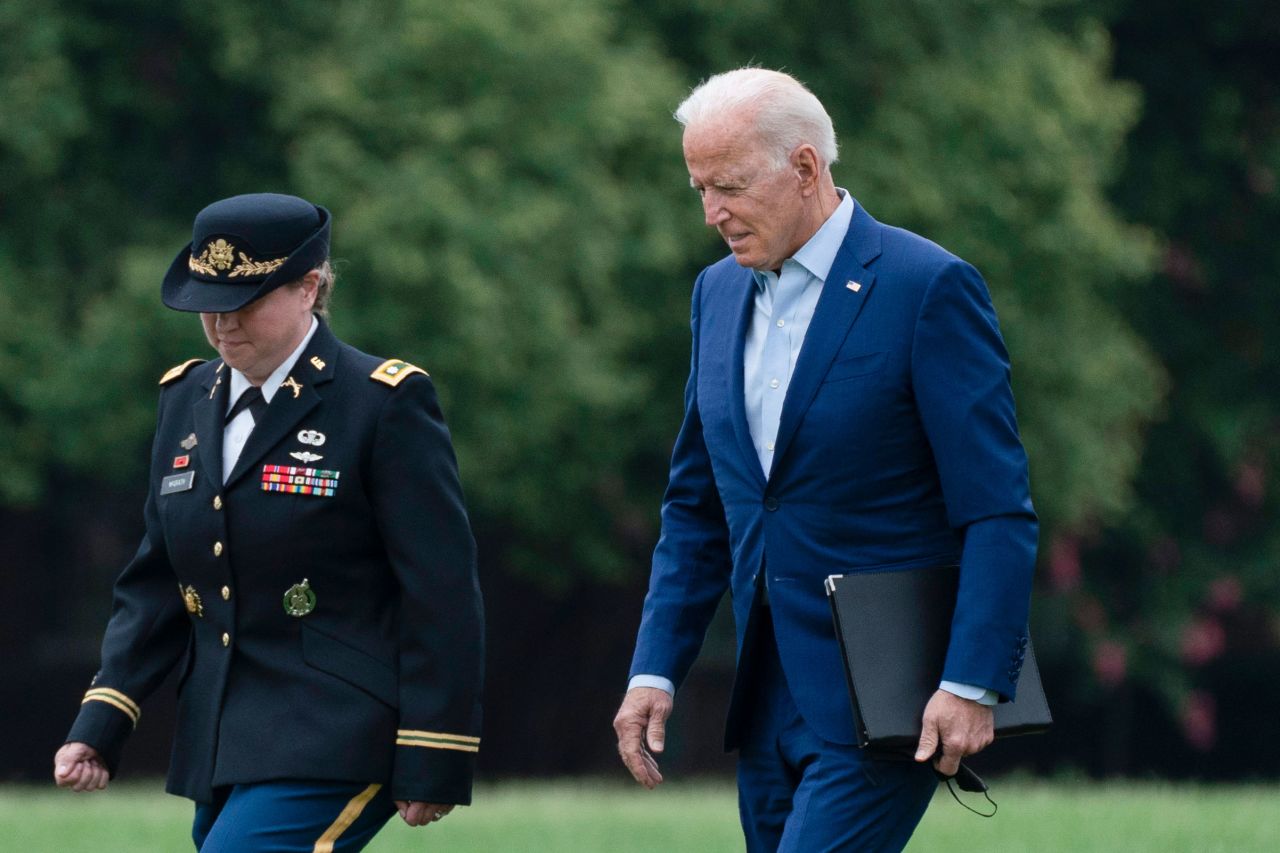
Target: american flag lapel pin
854 286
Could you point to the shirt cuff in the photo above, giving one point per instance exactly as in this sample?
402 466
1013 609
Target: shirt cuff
981 695
652 681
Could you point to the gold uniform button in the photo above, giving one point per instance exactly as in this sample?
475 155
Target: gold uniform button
226 639
217 501
226 593
217 549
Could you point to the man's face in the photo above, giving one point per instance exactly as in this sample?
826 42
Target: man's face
258 337
757 208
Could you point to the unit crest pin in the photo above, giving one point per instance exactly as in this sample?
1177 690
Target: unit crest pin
299 599
191 599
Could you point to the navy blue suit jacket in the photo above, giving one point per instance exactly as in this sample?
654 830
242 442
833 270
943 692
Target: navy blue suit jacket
897 448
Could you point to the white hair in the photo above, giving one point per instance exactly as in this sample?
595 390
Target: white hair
785 114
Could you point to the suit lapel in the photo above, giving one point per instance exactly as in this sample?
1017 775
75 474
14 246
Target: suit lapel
739 320
209 412
292 402
846 290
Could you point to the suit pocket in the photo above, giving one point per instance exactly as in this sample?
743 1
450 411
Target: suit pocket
333 656
855 366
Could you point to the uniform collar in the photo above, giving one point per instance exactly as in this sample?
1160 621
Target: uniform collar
240 384
819 252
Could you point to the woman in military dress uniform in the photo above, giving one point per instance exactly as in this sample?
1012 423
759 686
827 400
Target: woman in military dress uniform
307 564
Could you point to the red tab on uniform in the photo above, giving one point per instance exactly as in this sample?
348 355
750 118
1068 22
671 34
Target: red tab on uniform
181 461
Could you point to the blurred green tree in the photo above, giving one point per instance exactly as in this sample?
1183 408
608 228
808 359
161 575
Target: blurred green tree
511 211
1187 581
502 177
994 129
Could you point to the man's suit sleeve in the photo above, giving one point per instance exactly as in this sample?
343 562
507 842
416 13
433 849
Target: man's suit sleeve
961 376
148 630
691 564
418 500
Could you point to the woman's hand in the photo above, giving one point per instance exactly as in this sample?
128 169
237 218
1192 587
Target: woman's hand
79 767
420 814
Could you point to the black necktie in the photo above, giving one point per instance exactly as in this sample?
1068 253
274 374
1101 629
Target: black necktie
252 400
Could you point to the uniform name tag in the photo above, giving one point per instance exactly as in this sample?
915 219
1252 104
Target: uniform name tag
177 483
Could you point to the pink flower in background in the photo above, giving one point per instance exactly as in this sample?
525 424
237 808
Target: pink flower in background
1202 641
1166 555
1225 594
1200 720
1251 485
1110 663
1064 564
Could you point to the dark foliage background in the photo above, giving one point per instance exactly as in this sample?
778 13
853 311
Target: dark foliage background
512 212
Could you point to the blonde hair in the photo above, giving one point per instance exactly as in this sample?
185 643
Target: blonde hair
324 290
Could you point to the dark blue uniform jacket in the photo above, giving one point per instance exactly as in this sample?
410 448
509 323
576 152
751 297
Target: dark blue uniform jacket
347 490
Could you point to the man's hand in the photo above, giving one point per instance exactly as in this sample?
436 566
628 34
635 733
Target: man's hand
421 814
79 767
962 726
641 728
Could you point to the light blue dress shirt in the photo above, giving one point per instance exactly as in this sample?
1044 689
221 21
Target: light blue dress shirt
783 307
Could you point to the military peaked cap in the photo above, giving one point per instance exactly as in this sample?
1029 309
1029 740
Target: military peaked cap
244 247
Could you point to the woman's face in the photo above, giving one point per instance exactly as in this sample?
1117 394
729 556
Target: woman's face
258 337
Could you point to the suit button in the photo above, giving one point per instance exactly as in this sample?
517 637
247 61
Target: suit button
226 639
217 501
771 504
217 549
226 593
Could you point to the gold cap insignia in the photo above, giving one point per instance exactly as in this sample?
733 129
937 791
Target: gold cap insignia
299 599
220 255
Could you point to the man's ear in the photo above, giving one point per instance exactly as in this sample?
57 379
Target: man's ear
807 168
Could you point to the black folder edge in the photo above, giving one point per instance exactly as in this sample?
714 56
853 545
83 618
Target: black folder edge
859 727
864 740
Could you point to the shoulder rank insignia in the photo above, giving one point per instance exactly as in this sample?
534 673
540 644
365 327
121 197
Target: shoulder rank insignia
176 373
393 371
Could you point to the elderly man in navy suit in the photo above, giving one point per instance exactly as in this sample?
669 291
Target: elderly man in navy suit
848 409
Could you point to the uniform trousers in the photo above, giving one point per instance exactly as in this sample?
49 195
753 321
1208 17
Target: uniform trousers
798 793
291 816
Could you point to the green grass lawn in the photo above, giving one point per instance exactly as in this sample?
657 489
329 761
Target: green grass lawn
567 817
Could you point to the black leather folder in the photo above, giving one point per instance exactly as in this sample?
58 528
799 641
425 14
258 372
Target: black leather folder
894 628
